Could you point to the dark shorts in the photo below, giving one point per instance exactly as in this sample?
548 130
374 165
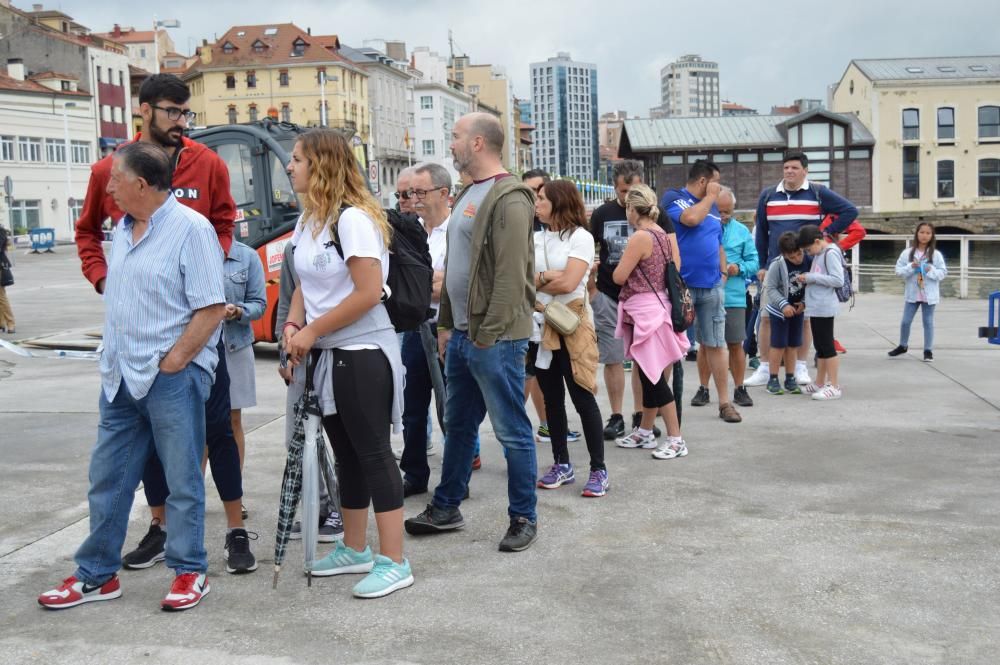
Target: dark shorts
736 325
786 333
529 359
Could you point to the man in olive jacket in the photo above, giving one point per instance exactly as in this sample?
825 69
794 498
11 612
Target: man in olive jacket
483 328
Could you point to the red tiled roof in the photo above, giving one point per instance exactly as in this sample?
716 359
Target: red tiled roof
277 47
732 106
44 76
129 36
29 86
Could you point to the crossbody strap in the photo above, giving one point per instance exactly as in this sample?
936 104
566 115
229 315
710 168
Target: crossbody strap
643 272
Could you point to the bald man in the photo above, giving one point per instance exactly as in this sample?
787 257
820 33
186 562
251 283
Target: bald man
483 327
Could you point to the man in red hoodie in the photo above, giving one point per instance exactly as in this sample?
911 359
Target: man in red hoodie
200 181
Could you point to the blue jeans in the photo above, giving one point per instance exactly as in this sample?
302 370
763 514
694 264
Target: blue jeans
927 314
482 381
170 421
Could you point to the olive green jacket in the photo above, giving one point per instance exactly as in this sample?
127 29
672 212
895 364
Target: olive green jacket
502 266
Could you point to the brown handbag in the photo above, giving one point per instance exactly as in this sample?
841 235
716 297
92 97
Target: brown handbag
559 316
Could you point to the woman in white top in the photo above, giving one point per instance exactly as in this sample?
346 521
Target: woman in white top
564 252
336 316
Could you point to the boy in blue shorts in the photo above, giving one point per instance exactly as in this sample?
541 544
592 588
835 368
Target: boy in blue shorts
784 297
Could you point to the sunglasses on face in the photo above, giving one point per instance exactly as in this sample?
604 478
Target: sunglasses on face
404 195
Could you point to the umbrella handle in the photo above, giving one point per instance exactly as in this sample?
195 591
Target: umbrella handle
274 582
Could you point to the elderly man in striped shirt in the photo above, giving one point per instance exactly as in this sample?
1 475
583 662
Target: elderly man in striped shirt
164 300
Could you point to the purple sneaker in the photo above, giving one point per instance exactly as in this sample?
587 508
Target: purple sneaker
597 485
558 474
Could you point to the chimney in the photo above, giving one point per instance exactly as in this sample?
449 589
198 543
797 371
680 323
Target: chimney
309 31
15 69
396 50
117 32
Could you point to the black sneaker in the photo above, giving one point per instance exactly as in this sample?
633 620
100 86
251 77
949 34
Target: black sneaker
150 549
637 420
701 398
409 489
615 427
898 351
434 520
520 535
331 528
928 357
692 356
239 558
742 397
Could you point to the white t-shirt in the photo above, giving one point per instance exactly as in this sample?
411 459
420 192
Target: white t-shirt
323 275
578 245
437 243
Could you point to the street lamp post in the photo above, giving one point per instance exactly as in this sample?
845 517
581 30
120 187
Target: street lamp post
66 154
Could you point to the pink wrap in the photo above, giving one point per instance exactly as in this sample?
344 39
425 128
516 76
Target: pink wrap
644 325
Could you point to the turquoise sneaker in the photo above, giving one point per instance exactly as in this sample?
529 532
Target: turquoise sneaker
387 576
343 560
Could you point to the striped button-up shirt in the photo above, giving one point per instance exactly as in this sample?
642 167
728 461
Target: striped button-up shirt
153 287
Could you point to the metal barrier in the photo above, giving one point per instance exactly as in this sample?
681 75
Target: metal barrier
42 239
965 271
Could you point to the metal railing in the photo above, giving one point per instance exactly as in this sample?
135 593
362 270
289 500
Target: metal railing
965 272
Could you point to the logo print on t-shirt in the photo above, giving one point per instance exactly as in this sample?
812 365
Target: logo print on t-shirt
190 193
616 235
470 210
321 261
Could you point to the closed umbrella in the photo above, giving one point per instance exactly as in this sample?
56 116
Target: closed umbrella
307 458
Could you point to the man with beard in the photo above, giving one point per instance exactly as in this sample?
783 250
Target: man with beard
199 179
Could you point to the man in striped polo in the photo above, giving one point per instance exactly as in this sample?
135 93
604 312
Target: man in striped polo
788 206
164 300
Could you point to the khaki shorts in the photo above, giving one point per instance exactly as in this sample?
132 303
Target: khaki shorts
610 349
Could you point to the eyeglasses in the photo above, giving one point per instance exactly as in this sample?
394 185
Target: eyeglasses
174 113
422 193
405 195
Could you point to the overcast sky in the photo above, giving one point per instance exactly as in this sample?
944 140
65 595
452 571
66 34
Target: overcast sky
769 53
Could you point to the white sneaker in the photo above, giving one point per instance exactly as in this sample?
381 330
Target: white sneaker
671 448
636 439
828 392
812 389
760 376
802 374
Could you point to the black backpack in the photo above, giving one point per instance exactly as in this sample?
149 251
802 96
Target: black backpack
411 275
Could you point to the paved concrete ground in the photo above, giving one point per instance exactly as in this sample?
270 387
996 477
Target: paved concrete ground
860 531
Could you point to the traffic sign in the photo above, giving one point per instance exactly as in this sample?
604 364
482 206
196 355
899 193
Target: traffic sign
373 179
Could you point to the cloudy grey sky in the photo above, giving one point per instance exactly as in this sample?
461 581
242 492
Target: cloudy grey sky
769 52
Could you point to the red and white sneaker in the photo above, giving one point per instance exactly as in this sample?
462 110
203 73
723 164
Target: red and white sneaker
73 592
187 591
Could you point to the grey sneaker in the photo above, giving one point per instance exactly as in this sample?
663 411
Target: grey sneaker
331 529
701 398
434 520
520 535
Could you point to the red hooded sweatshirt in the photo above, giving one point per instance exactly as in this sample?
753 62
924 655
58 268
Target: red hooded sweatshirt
201 182
853 234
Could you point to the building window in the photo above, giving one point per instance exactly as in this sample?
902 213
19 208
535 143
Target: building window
232 115
427 147
142 51
911 172
946 179
230 81
80 151
946 123
426 102
298 48
286 113
283 78
25 214
989 122
989 177
911 125
6 148
251 79
64 85
228 48
321 76
29 150
55 151
121 79
253 114
99 74
258 46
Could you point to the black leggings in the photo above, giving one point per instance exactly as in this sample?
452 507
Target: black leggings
359 431
551 382
822 330
655 395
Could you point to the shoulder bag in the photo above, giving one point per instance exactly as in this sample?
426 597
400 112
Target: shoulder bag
559 316
681 303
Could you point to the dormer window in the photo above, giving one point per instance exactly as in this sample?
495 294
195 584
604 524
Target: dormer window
259 46
299 47
228 48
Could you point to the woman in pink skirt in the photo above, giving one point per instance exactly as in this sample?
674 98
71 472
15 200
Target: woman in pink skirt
644 322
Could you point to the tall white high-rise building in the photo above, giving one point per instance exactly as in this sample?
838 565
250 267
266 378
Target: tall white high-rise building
564 109
689 87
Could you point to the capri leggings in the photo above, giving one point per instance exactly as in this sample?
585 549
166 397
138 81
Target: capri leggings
359 432
654 395
822 330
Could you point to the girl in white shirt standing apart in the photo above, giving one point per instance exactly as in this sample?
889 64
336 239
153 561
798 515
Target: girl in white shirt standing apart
922 268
